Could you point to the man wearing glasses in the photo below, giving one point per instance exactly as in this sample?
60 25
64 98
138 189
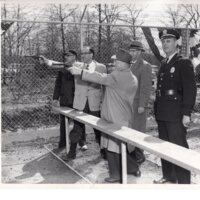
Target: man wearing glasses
87 98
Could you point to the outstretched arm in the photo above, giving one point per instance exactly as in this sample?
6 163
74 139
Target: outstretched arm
51 63
95 77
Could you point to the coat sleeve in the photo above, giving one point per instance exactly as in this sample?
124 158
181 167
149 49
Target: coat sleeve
188 86
57 87
145 85
100 78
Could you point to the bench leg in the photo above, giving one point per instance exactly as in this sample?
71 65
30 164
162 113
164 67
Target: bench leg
67 134
124 163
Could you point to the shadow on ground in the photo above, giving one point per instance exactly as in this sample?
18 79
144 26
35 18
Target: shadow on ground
46 169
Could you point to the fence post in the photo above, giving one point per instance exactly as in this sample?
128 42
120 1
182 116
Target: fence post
67 133
124 163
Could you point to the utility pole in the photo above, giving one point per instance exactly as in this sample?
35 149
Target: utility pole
100 29
81 27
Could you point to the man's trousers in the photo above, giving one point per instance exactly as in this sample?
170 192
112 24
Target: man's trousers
115 167
174 132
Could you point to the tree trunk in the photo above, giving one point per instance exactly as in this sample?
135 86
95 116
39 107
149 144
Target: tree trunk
100 36
62 33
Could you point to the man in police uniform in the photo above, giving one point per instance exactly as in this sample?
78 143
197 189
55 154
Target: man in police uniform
175 98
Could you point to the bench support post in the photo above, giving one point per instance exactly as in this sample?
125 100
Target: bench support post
67 133
124 163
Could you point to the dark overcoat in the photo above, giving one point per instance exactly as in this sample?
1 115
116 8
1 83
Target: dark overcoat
143 72
64 88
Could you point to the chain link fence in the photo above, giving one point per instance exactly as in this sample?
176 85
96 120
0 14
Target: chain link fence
27 87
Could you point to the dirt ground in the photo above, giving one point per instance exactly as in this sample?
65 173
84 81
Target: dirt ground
28 161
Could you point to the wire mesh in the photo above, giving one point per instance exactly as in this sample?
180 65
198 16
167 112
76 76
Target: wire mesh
27 86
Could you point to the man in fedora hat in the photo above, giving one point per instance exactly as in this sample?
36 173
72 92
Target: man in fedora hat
117 107
175 98
142 70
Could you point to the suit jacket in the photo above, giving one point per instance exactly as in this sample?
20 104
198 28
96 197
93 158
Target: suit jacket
143 72
64 88
88 91
176 75
117 103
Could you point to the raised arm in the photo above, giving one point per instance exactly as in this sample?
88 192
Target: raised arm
95 77
51 63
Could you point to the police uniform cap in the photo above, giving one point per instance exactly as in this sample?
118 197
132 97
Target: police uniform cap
136 45
169 33
124 56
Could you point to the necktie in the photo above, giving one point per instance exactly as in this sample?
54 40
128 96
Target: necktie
86 66
166 60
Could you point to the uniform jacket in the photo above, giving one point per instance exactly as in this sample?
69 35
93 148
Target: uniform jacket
64 88
176 75
143 72
88 91
118 99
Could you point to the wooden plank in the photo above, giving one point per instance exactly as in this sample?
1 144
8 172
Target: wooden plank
178 155
124 163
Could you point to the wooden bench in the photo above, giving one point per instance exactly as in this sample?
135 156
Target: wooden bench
178 155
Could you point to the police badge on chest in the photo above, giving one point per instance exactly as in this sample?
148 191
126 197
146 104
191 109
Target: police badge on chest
172 70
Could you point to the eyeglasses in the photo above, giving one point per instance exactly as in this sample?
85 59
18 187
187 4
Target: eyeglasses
69 55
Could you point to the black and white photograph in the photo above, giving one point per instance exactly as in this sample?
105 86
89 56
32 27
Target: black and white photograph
100 93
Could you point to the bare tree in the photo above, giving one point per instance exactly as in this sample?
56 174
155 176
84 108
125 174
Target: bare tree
17 34
61 13
183 15
191 14
134 16
174 15
108 14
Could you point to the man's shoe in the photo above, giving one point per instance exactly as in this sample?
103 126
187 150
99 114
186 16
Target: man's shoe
84 147
112 180
57 151
136 174
163 181
69 157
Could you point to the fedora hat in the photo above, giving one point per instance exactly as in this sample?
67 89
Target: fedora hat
124 56
136 45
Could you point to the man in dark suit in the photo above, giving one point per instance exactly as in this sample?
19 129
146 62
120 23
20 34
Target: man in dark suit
175 98
64 92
